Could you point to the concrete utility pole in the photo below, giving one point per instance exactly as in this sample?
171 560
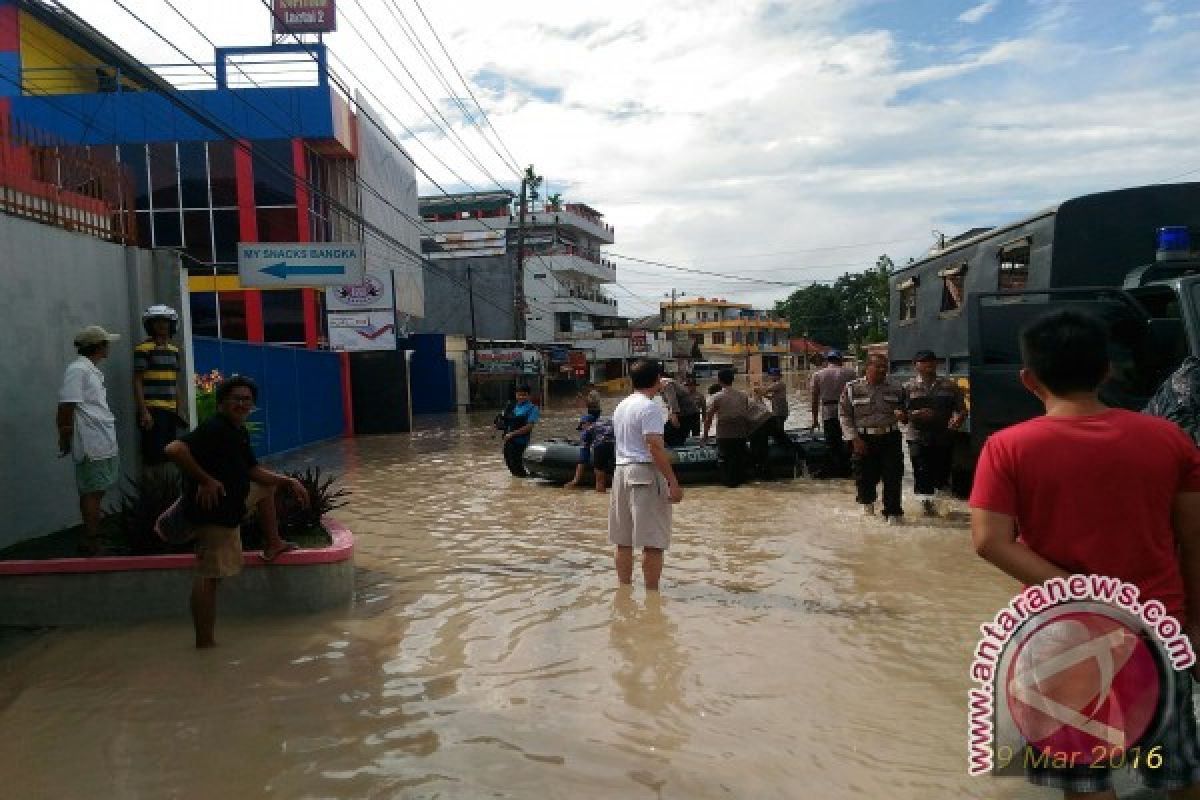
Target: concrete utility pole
519 279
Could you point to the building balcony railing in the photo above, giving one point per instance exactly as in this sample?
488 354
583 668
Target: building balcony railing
571 250
581 294
73 187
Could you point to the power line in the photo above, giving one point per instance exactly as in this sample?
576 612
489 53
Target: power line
406 27
466 85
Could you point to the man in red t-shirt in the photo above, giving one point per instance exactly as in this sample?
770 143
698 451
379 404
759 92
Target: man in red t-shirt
1088 489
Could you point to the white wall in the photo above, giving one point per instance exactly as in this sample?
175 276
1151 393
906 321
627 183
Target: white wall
53 283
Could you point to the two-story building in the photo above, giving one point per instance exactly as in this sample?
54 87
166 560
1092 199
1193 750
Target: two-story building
751 339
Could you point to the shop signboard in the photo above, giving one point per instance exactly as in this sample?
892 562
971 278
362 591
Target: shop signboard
358 331
578 362
637 342
304 16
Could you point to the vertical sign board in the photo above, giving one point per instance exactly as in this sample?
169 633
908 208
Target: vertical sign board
361 316
637 342
304 16
388 192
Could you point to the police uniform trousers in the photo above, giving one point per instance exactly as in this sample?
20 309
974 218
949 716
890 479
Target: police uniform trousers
931 461
674 436
513 450
884 459
760 445
733 459
838 463
690 423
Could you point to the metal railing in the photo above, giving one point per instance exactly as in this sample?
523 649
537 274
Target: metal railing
76 187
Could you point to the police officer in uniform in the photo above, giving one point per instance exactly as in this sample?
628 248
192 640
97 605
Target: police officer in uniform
869 411
936 408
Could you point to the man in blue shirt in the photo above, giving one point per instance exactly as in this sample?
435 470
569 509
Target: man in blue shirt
519 420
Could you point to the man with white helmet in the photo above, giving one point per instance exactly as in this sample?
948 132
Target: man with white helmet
155 384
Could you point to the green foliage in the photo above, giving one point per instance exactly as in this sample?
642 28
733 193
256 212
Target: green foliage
849 314
534 182
296 522
142 502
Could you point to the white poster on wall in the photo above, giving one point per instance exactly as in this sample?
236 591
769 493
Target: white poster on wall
388 190
362 330
373 294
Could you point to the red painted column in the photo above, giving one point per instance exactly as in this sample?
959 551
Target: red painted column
248 231
312 325
347 396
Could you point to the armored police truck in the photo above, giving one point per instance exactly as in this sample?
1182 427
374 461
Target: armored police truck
1124 255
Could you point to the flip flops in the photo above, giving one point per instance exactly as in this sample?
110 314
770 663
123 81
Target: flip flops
287 548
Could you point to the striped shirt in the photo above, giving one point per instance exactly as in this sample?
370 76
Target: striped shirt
159 368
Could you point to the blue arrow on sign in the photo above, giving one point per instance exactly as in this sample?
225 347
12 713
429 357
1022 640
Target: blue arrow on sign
282 270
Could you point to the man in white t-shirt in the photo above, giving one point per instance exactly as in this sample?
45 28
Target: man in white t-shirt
644 485
88 431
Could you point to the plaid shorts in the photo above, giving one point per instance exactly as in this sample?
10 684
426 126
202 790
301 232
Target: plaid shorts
1180 750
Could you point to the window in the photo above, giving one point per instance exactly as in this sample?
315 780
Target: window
197 234
134 157
226 231
952 287
283 316
737 337
193 174
274 184
223 174
167 229
164 176
277 224
908 299
1014 265
718 337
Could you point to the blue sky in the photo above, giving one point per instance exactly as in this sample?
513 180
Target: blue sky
820 132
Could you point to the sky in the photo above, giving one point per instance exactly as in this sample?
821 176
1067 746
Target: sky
786 141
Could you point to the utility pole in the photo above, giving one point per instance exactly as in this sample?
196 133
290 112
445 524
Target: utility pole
519 279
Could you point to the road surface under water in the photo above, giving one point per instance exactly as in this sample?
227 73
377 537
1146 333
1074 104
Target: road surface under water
797 650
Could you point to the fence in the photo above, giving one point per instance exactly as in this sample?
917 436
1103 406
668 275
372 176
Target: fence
299 391
78 188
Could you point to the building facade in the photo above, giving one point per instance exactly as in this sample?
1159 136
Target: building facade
751 339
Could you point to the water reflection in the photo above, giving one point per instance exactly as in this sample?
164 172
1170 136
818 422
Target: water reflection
794 652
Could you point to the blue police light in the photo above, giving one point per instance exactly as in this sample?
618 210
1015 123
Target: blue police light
1174 243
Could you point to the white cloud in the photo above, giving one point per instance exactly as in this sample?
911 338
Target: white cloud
976 13
705 129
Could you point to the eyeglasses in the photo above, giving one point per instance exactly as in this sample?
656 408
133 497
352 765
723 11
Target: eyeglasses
241 399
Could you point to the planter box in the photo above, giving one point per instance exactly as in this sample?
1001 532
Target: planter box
119 589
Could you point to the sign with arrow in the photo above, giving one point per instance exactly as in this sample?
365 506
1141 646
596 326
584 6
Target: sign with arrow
279 264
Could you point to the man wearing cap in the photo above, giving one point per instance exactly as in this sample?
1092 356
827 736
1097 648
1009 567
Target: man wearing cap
87 429
674 434
825 388
936 408
691 407
731 408
869 410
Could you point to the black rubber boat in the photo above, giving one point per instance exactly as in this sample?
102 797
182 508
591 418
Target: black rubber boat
555 459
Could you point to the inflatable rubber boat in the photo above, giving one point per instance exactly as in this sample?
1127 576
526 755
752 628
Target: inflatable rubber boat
555 459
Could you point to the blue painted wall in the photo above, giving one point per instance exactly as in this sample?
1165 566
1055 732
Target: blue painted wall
299 391
431 374
279 113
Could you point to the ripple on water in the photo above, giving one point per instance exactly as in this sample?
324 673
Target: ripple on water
488 654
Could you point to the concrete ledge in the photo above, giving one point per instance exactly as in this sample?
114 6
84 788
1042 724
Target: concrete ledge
87 591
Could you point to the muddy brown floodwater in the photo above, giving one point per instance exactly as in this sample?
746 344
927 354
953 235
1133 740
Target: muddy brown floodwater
797 650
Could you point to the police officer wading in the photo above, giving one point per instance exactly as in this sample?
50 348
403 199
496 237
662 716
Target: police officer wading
936 408
826 389
869 410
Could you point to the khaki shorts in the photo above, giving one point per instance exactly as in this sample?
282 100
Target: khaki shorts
639 511
218 548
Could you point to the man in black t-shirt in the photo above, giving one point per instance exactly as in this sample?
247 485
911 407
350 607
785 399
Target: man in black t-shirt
222 481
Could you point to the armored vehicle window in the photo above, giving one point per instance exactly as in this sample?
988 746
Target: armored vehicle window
908 300
952 287
1014 265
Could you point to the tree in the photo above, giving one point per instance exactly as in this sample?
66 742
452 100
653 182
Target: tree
816 312
533 181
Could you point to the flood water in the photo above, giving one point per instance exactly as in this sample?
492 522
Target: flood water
796 650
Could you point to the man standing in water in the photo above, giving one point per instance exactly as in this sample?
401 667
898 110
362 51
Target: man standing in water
518 424
222 482
1087 489
870 408
644 485
826 388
